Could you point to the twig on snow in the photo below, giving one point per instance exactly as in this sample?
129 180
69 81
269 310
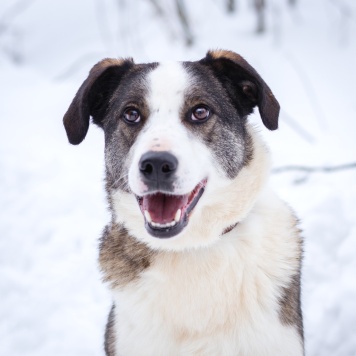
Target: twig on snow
313 98
327 169
78 64
158 8
293 123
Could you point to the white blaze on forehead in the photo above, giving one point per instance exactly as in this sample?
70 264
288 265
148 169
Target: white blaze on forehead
167 84
165 131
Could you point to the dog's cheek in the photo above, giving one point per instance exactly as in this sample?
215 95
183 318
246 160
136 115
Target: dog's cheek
117 149
196 163
115 170
224 150
231 146
226 139
229 152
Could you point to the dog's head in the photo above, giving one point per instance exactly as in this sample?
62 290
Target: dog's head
176 143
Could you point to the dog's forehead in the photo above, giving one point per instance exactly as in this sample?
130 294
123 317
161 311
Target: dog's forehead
167 84
170 85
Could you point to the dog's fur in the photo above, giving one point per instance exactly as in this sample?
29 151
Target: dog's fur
225 279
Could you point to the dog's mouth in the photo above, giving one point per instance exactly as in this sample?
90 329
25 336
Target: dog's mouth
167 215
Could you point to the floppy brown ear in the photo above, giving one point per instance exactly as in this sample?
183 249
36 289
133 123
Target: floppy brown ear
242 80
93 96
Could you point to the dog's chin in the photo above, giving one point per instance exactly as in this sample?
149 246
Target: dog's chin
167 215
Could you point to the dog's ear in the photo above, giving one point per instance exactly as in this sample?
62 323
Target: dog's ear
244 84
93 96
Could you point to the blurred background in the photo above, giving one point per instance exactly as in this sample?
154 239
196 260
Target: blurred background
52 201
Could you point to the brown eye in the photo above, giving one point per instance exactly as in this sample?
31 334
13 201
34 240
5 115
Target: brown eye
200 113
131 115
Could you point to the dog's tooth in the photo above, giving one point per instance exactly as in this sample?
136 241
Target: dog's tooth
178 215
162 226
148 216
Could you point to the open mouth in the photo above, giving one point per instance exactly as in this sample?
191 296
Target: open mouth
167 215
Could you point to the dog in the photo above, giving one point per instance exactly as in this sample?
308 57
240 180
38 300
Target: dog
201 257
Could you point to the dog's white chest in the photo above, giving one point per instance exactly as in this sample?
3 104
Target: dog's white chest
215 301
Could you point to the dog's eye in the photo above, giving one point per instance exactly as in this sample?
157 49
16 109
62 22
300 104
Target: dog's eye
132 115
200 113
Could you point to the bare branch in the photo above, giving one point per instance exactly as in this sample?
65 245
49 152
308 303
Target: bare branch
231 6
182 13
16 9
10 36
313 98
157 6
346 16
315 169
103 21
260 7
78 64
293 123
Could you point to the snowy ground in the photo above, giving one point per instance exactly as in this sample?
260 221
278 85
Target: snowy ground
51 195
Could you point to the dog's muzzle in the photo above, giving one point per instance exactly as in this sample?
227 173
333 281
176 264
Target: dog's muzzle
165 213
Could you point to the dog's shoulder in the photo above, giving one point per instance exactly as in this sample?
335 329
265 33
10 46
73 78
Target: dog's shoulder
122 257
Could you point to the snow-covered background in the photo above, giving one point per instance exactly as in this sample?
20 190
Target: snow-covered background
52 201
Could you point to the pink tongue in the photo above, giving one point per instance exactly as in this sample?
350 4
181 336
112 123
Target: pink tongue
162 207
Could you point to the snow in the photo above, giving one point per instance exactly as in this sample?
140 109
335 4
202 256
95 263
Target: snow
53 207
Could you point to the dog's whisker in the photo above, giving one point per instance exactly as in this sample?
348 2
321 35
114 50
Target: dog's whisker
121 182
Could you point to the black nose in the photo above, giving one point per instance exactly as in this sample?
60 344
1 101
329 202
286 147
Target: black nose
158 167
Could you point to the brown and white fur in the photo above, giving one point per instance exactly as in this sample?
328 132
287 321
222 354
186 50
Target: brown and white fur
222 276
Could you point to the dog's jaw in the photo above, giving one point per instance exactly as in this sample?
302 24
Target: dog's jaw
167 215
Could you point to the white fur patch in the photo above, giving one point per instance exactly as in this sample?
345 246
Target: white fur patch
164 131
218 300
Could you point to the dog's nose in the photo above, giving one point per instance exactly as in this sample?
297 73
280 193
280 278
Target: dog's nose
158 166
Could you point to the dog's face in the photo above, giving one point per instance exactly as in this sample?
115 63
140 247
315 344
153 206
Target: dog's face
175 141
